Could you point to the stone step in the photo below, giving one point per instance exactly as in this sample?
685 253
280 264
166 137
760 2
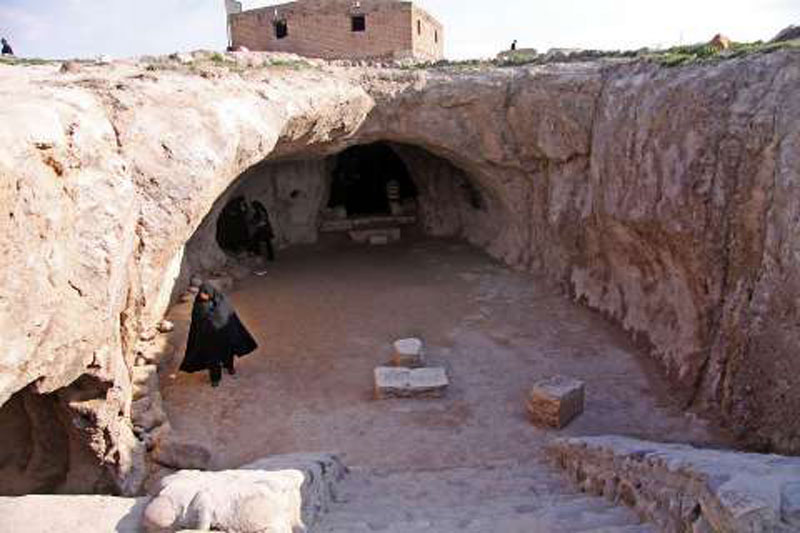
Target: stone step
608 520
458 485
498 469
422 510
638 528
505 497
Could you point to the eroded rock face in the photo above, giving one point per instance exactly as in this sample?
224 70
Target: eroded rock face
666 198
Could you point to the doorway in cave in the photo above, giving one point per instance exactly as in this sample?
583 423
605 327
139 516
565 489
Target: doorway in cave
371 180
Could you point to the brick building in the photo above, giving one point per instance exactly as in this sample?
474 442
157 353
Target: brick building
341 29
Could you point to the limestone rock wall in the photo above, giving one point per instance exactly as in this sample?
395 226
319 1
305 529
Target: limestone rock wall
104 176
665 198
450 202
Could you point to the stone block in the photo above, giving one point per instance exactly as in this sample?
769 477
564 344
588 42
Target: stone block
147 335
556 401
393 382
177 454
408 353
145 377
377 234
147 412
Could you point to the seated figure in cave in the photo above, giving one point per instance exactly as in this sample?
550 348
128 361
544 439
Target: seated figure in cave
232 226
216 336
261 231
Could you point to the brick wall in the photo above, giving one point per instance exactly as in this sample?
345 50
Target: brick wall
427 34
322 28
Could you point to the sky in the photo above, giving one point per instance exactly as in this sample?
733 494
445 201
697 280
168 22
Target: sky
473 28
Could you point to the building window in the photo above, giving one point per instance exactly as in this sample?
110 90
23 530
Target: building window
281 29
358 23
436 36
419 27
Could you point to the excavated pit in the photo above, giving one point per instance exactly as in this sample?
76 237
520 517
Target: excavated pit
327 310
664 199
325 315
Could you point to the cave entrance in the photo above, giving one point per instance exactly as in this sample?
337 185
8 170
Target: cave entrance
375 193
371 180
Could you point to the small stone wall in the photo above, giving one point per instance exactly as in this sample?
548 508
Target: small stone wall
682 488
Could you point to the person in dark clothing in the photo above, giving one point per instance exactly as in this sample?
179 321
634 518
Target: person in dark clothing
261 231
7 51
216 336
232 230
514 45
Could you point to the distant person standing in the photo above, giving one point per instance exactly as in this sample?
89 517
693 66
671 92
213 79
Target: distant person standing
232 226
261 231
7 51
514 45
216 336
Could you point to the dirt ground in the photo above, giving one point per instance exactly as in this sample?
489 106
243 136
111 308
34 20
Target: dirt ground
325 317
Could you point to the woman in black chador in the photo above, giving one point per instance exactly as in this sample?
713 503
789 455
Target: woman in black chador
216 335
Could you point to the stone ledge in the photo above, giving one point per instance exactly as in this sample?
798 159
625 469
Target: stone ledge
396 382
682 488
62 513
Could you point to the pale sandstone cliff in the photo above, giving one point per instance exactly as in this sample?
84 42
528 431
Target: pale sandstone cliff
665 198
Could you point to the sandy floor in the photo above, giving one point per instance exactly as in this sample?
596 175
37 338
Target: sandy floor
325 317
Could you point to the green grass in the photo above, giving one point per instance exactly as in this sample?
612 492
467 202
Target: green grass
293 64
703 53
27 61
671 57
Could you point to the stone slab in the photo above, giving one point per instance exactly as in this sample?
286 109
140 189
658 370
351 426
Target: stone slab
556 401
367 235
395 382
178 454
62 513
338 225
